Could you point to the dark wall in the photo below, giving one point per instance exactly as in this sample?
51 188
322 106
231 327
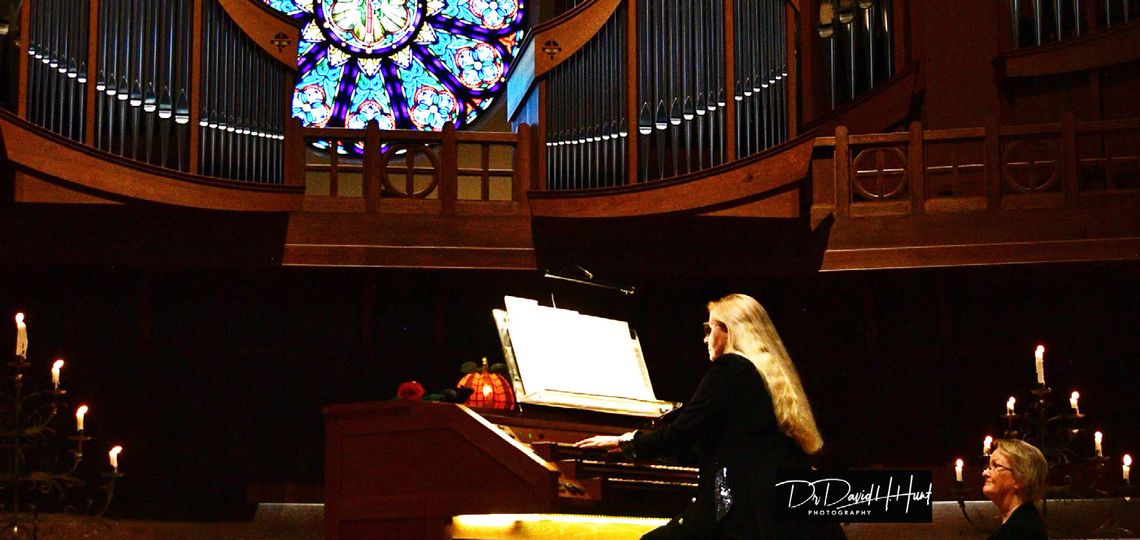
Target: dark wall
214 379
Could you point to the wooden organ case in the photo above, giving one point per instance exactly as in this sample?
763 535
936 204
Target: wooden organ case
403 469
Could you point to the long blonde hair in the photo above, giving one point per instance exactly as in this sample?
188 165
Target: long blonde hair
752 335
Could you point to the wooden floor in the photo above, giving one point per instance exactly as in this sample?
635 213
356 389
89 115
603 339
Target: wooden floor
1102 518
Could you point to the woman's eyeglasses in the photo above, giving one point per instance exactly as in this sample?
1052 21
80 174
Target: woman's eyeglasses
994 467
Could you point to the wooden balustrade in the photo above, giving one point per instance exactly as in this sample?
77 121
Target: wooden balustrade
974 169
412 171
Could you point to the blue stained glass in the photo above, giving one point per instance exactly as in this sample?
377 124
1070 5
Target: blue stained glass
316 92
370 101
288 7
475 64
410 64
495 15
430 104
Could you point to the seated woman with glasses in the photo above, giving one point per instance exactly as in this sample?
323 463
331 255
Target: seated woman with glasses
1015 479
748 422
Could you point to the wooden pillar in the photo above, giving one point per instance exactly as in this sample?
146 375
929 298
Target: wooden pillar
916 163
372 167
293 152
631 97
729 126
195 87
448 169
24 59
93 25
993 164
543 125
842 164
523 175
1069 167
793 71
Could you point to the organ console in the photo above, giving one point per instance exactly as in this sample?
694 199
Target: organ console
403 469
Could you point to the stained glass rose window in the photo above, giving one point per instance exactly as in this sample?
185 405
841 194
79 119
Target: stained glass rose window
407 64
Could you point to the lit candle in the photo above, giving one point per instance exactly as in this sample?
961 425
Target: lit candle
1009 405
113 455
1098 437
79 414
958 470
1039 356
1073 402
55 372
1127 467
21 336
986 445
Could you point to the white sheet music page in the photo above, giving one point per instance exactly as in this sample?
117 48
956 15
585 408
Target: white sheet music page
560 349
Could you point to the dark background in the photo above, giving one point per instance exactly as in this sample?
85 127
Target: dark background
213 379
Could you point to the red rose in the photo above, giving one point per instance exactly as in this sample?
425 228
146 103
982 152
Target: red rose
410 390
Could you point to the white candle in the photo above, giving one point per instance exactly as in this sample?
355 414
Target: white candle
1127 467
21 336
958 470
986 445
113 455
1073 402
1039 356
1009 405
79 414
55 372
1098 437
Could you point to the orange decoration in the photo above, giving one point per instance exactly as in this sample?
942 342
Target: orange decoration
489 390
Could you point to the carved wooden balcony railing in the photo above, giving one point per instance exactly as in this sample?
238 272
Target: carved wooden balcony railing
990 195
977 169
402 171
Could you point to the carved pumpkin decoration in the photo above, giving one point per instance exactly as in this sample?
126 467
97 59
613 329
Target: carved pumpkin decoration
489 390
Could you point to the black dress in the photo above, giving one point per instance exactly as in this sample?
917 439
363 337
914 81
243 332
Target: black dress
1024 523
730 426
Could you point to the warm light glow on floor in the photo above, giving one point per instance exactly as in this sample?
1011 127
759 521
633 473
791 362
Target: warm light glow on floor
564 526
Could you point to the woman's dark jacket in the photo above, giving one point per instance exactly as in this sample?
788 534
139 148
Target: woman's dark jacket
729 423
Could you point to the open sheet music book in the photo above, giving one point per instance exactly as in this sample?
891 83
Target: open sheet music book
562 358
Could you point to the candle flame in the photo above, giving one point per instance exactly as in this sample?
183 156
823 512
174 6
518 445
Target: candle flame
58 364
116 450
1128 460
1040 350
1076 395
19 318
958 464
81 411
989 441
1012 400
1098 437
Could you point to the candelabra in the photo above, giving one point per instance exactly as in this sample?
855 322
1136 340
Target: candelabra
40 466
1079 468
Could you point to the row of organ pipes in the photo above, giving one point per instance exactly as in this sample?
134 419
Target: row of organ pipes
858 44
680 115
143 85
1036 22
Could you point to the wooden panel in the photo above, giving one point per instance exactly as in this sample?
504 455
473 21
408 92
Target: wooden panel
406 463
569 33
264 25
